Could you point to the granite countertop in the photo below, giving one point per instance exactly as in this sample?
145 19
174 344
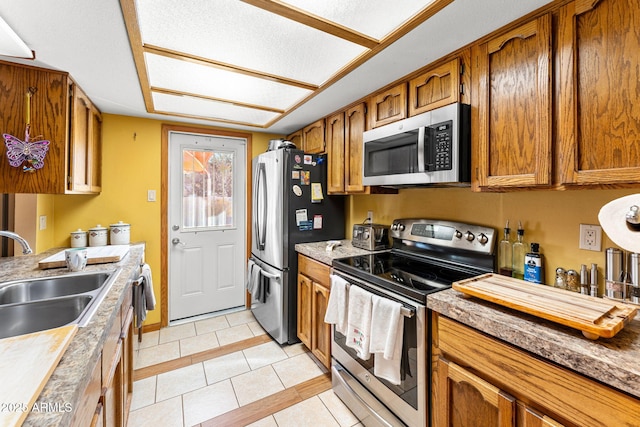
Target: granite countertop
317 251
67 383
613 361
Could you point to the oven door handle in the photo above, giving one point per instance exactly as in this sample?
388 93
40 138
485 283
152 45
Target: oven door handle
405 311
339 371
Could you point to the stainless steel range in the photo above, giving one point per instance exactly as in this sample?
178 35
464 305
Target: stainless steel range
427 256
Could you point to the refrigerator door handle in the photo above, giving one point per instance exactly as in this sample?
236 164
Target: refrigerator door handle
261 220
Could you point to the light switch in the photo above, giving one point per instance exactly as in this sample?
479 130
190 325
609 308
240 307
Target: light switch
43 222
151 195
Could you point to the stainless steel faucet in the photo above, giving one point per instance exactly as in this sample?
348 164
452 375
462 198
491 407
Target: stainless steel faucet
26 249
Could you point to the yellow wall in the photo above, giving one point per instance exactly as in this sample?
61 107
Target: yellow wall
549 217
131 166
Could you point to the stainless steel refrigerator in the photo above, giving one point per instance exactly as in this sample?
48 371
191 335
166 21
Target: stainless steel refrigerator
289 206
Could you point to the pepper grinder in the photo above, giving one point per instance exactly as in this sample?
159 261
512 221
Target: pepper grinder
584 280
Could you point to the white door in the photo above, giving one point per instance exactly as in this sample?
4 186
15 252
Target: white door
207 185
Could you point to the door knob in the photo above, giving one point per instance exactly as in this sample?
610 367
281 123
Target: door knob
177 241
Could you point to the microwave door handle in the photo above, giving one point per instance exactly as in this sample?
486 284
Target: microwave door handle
421 143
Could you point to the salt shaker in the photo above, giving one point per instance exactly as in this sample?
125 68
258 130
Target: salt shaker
561 278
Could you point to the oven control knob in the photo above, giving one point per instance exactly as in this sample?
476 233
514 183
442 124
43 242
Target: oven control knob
367 377
401 227
458 235
394 226
482 238
469 236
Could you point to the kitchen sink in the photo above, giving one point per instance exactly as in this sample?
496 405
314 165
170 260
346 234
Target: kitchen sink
35 305
51 287
24 318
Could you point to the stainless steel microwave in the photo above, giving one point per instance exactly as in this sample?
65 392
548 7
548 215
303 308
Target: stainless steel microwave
430 148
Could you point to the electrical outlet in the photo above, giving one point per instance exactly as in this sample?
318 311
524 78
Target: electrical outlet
591 237
43 222
151 195
370 217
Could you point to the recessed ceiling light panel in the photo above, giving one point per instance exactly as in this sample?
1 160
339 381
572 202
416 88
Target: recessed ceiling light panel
212 110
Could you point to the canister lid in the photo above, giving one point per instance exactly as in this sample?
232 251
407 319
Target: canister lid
78 231
120 224
97 228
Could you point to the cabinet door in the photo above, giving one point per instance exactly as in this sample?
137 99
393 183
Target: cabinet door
598 116
529 417
512 91
335 153
435 88
305 296
388 106
85 412
467 400
296 138
127 362
321 334
84 167
313 138
355 125
49 110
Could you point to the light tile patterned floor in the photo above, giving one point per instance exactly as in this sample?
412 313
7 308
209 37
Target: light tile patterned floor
193 394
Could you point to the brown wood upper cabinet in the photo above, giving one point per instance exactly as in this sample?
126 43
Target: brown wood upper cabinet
85 175
296 138
61 114
435 88
344 149
598 116
512 92
313 138
388 106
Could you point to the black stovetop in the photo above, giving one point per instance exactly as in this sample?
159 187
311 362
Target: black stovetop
412 276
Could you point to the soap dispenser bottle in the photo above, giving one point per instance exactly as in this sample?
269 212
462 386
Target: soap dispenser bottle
519 251
533 265
505 253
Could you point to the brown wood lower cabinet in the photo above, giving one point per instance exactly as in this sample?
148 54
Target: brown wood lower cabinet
481 381
107 397
313 294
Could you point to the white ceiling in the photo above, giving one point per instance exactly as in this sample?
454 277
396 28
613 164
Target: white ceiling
88 39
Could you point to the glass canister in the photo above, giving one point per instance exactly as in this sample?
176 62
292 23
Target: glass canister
98 236
78 238
119 233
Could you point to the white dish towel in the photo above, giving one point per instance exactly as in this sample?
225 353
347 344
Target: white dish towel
338 304
359 321
387 329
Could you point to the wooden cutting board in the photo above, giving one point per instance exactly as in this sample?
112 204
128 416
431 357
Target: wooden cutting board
595 317
26 363
95 255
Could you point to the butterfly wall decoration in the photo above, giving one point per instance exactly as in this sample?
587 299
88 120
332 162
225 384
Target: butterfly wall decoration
30 152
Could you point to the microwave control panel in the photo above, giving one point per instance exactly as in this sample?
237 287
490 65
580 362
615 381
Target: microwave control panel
440 148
